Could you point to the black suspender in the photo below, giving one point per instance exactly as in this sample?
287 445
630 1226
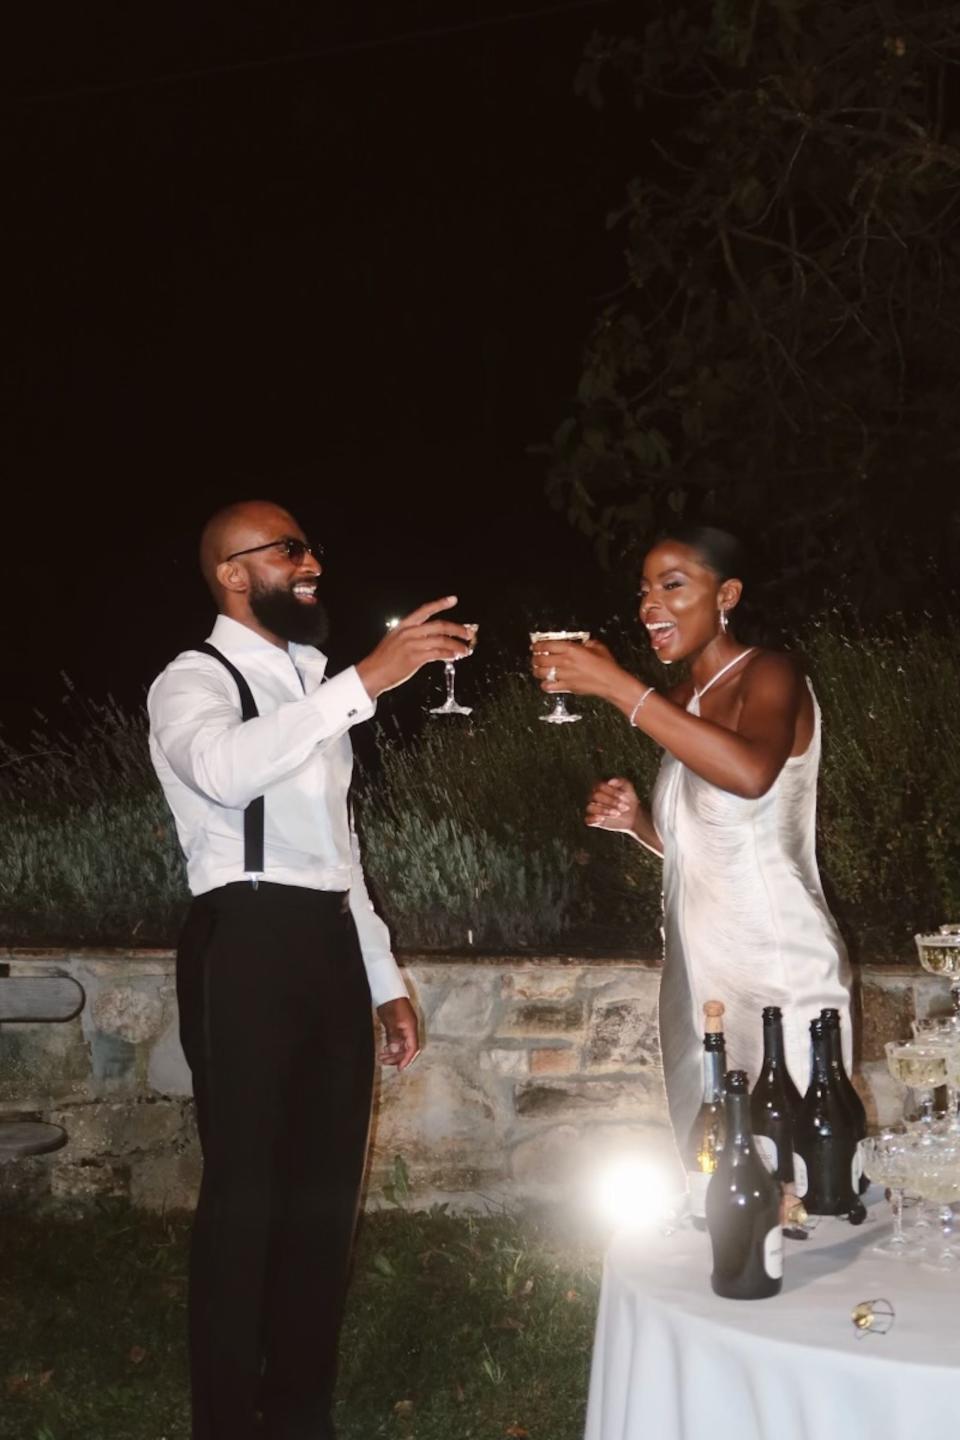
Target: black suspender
253 814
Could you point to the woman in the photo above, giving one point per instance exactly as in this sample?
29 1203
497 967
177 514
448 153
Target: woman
733 815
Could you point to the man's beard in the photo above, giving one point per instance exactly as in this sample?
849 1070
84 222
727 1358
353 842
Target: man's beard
280 612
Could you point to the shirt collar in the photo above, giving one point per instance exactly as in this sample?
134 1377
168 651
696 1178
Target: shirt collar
237 640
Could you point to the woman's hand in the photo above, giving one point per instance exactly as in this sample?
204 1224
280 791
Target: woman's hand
574 668
614 805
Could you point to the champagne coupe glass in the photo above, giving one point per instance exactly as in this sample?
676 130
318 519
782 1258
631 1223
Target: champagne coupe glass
451 706
559 715
886 1158
938 1179
943 1031
921 1067
940 955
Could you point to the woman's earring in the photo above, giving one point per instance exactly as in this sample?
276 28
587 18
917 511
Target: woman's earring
723 621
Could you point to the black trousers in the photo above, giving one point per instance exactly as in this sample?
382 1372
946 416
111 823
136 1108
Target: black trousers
275 1021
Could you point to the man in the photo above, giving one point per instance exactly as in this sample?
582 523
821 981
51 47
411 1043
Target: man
278 961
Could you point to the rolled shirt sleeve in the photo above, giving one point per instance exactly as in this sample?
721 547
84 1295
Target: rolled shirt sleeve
383 973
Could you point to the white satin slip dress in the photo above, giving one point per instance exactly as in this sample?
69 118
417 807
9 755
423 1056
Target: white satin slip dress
745 920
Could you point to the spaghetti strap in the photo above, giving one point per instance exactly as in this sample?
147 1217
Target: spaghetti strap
722 671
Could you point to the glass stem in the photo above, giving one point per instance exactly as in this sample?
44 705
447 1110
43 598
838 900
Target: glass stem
896 1205
450 673
925 1101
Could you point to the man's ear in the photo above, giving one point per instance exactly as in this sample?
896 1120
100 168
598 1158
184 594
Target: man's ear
233 577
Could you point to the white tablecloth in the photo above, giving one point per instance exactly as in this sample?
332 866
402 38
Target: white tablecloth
672 1361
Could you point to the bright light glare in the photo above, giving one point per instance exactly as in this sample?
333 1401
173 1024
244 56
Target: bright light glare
393 623
633 1194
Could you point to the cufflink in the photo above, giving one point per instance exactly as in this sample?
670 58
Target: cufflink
350 714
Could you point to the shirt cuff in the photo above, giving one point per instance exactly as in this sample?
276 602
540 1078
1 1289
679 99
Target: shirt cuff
346 690
386 982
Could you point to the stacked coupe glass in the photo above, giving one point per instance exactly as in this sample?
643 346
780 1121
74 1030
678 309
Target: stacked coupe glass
921 1158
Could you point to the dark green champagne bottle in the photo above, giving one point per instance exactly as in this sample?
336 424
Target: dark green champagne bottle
775 1103
858 1114
827 1139
706 1133
743 1208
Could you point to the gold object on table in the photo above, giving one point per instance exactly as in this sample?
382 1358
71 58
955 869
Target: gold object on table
794 1211
872 1316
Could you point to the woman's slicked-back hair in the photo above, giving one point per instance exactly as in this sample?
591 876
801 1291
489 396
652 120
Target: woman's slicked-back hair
720 551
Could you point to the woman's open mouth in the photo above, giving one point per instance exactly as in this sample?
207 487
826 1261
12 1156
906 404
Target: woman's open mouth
660 632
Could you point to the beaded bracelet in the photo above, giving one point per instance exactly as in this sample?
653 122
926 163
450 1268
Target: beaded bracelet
639 705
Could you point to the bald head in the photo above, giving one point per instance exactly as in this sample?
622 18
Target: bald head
240 526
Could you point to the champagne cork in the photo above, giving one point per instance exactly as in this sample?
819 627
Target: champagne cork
713 1017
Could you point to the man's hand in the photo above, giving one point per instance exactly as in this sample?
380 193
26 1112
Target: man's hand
416 640
401 1031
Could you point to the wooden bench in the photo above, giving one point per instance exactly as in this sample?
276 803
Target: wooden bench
33 999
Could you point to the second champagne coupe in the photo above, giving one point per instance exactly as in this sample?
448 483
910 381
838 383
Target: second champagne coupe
559 714
923 1068
451 705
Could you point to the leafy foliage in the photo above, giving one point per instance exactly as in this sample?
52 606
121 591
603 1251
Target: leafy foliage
473 832
785 351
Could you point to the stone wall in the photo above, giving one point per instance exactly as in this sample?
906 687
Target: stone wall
535 1070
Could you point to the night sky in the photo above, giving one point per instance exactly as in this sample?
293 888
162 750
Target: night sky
358 283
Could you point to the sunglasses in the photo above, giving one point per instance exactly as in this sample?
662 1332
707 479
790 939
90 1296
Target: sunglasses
294 550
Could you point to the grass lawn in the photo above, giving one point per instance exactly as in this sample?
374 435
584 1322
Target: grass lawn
457 1329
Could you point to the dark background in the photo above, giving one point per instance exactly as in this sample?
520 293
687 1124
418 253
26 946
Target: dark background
357 282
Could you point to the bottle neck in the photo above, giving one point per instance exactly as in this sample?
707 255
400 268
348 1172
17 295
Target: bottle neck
773 1045
737 1115
821 1065
713 1068
834 1049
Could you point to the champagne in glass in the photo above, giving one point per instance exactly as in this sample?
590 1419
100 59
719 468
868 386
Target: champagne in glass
559 714
940 955
921 1068
451 705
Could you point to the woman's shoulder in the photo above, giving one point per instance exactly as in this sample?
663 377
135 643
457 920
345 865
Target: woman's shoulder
772 669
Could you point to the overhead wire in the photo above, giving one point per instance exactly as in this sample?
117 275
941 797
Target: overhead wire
303 57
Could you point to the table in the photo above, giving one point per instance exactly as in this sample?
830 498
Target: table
672 1361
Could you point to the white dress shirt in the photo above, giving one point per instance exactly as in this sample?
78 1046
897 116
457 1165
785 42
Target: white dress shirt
297 755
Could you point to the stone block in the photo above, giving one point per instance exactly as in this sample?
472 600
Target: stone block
166 1182
113 1060
432 984
133 1014
638 985
541 984
124 965
932 995
887 1010
115 1128
547 1160
465 1010
883 1097
558 1060
545 1017
438 1108
505 1062
167 1070
89 1182
40 1062
621 1036
636 1098
25 1183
